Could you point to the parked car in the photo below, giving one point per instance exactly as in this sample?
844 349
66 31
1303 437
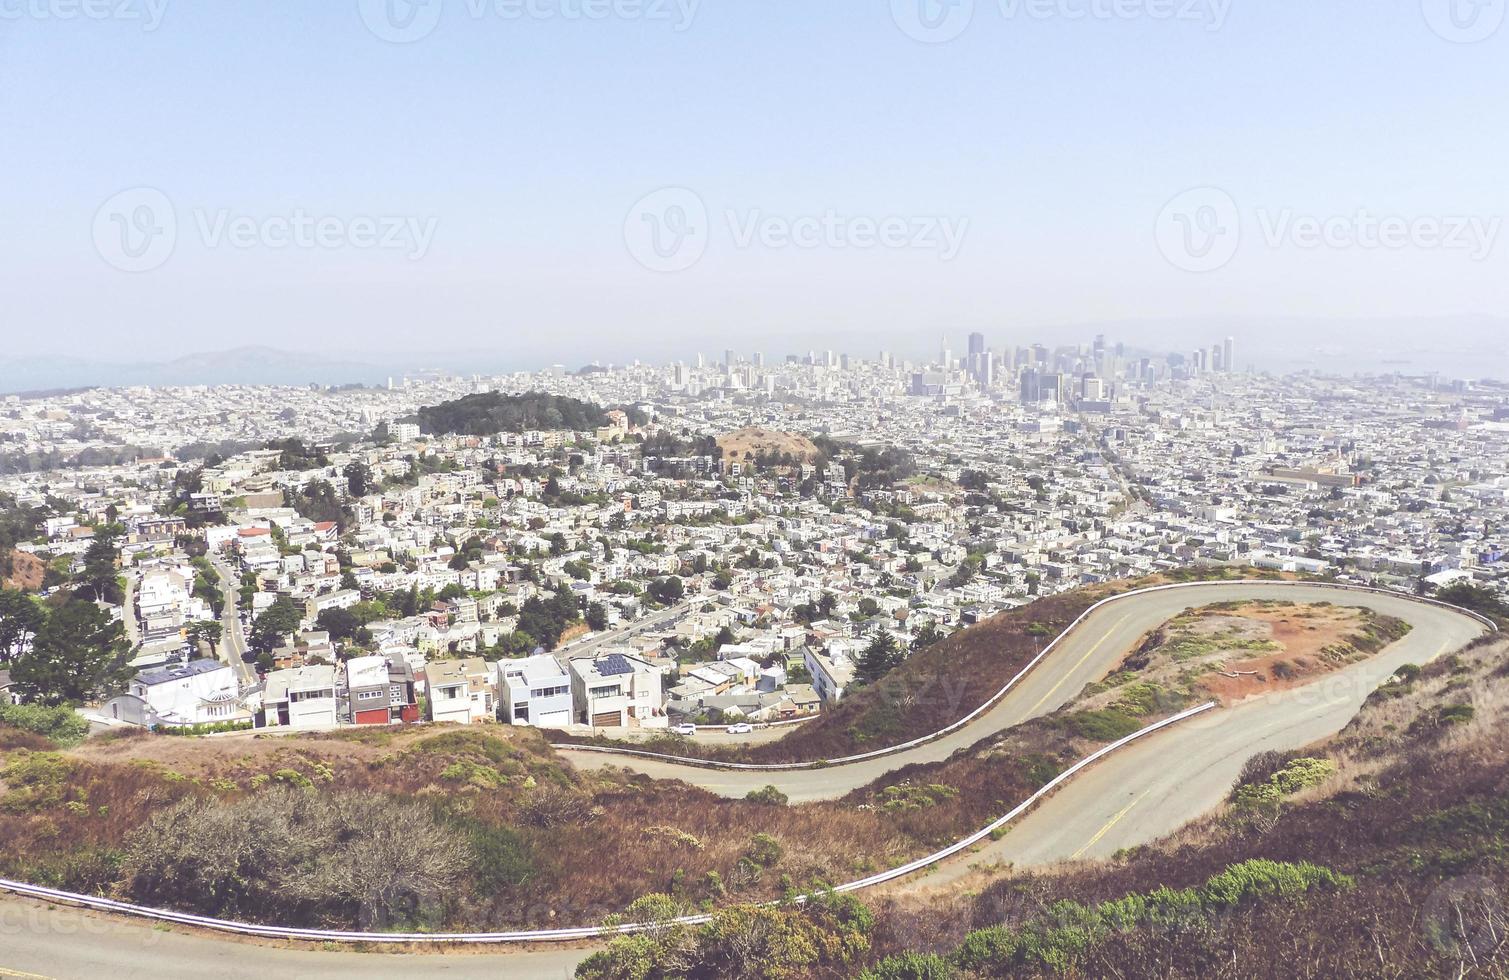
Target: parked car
687 729
742 728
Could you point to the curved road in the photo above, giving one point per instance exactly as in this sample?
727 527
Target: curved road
1143 792
1095 648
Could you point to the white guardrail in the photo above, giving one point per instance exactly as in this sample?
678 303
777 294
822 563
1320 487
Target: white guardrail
599 932
993 699
559 935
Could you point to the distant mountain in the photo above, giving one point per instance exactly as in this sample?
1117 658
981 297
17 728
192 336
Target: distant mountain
244 365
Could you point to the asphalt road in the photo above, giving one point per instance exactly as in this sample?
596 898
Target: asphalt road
232 638
1088 654
37 940
655 621
1136 796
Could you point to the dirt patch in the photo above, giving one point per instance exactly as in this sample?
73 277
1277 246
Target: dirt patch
26 572
1233 651
745 444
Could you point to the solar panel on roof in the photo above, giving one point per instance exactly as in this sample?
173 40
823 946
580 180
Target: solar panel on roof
613 665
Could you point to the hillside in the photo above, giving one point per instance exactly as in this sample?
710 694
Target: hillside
490 413
1381 853
25 572
766 446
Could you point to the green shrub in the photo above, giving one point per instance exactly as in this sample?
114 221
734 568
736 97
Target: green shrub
765 850
767 795
36 781
1261 878
911 966
64 726
500 858
473 774
1105 725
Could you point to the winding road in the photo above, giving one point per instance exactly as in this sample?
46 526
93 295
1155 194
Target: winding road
1142 792
1092 650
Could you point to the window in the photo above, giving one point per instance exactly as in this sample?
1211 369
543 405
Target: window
368 695
549 692
607 691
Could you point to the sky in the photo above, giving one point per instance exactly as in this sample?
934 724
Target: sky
579 180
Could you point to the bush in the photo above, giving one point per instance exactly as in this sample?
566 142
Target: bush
499 858
208 728
1105 725
1067 931
765 850
63 726
767 795
1261 878
298 858
911 966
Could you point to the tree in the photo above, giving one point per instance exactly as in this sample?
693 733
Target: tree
79 654
926 636
882 656
341 624
597 617
20 618
358 478
277 622
666 590
205 631
99 573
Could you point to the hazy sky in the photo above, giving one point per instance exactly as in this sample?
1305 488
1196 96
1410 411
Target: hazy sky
362 176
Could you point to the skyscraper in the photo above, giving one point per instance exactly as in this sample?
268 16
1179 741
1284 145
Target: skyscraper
1228 355
977 343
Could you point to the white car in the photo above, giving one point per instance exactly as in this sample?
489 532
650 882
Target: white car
685 729
742 728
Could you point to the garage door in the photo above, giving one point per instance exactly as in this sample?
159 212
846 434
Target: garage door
607 719
557 719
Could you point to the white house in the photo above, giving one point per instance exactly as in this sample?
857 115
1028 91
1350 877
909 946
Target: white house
200 692
830 675
618 691
459 690
300 697
535 691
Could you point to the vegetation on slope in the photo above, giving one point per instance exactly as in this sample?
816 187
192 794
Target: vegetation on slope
490 413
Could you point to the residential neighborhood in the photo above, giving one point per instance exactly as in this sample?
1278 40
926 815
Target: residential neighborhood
716 542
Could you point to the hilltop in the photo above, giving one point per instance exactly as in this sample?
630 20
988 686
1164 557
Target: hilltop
492 412
765 445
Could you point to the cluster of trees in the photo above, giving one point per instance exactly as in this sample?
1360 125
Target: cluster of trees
1476 598
293 454
317 501
275 624
492 412
62 652
808 613
17 524
666 591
